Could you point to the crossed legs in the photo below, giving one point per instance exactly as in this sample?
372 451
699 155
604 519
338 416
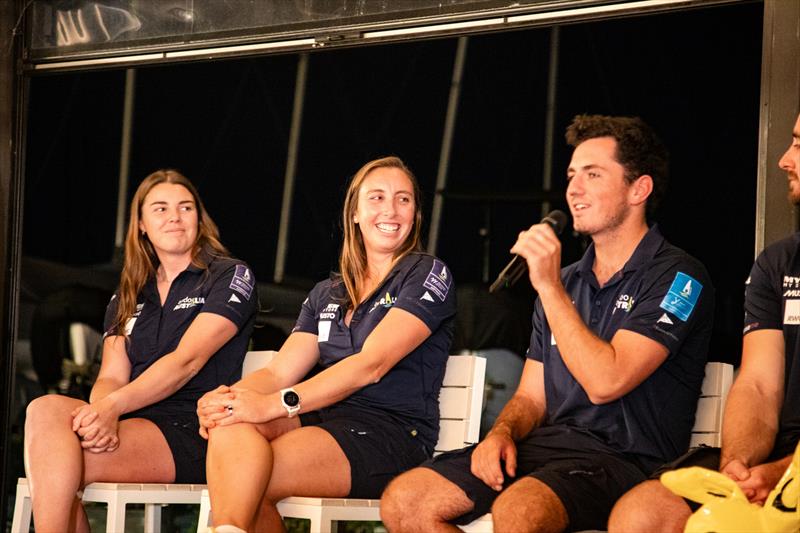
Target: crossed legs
57 466
250 467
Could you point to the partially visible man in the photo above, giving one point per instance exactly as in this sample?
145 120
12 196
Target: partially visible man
761 425
614 367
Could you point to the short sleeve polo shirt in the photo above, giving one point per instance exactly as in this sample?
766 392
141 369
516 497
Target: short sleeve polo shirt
772 301
419 284
226 288
663 294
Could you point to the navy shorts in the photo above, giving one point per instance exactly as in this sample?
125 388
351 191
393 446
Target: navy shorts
703 455
588 481
377 446
182 432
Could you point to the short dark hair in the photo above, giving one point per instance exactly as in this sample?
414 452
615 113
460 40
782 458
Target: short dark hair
639 150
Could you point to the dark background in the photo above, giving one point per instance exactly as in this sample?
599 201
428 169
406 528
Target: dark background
694 76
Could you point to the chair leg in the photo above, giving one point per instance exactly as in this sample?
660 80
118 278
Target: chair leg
115 519
204 519
319 522
21 523
152 518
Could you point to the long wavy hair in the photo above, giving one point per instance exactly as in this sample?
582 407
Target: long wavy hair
141 260
353 260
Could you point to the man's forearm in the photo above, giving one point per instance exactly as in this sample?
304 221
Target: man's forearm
749 426
520 415
588 357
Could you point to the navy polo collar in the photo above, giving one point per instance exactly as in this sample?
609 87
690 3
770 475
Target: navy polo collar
339 292
151 292
645 251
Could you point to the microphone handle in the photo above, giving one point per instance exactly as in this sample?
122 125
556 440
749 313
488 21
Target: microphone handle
510 274
518 266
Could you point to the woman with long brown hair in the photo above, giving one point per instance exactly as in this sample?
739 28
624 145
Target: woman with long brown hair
381 329
177 327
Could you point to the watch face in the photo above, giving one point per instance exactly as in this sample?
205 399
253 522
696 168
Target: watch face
291 398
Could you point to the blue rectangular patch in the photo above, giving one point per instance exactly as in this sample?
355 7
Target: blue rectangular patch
439 280
242 281
682 296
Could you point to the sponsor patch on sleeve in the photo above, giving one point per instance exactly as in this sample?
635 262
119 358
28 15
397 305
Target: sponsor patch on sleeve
682 296
242 281
438 280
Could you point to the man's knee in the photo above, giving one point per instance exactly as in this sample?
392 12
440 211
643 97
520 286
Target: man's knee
649 506
399 500
416 499
529 505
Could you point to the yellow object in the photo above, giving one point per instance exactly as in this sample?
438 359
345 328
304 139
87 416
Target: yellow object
726 509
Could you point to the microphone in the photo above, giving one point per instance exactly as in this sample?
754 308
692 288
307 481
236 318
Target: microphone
518 266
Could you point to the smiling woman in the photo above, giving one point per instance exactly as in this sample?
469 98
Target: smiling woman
381 330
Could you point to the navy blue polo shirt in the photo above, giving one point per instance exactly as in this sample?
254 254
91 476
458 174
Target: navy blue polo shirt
772 301
419 284
664 294
226 288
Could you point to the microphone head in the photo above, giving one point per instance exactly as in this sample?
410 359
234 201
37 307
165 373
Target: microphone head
557 220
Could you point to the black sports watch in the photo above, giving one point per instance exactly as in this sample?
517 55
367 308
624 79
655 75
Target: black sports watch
290 401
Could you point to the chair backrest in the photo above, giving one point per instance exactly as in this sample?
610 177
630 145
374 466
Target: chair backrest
460 399
461 402
256 360
708 419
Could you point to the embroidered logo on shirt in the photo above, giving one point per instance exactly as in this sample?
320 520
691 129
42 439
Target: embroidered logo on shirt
664 320
624 302
792 286
329 313
234 298
189 302
387 301
790 282
427 296
682 296
242 281
132 320
438 280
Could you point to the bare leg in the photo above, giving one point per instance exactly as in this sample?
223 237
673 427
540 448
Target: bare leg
529 505
308 462
649 506
238 468
251 467
54 464
57 467
423 501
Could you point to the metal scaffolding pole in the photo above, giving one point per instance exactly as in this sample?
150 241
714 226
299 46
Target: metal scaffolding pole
124 161
291 167
447 142
550 116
